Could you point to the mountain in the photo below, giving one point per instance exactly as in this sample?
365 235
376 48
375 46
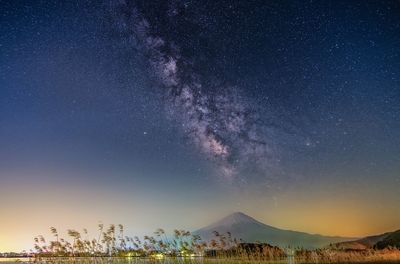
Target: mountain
392 240
242 226
363 243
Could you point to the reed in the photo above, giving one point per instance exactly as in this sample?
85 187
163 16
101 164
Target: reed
112 246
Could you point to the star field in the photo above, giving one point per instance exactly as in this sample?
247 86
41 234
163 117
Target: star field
219 105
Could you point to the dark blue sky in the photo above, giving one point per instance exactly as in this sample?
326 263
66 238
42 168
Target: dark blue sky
241 101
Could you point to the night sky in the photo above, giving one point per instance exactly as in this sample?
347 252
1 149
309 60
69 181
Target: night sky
175 113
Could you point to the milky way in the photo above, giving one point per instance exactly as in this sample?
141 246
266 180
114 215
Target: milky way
215 116
144 110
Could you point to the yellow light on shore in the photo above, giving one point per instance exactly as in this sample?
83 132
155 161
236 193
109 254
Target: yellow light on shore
159 256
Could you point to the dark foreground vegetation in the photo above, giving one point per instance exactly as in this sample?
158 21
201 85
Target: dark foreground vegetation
111 245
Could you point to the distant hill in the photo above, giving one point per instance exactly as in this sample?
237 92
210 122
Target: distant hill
363 243
379 241
393 240
244 227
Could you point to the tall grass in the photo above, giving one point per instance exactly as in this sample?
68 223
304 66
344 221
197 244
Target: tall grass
111 244
386 255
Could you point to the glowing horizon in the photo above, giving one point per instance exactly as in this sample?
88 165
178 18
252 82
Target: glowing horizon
349 216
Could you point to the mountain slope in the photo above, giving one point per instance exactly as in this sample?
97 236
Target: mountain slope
248 229
363 243
392 240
